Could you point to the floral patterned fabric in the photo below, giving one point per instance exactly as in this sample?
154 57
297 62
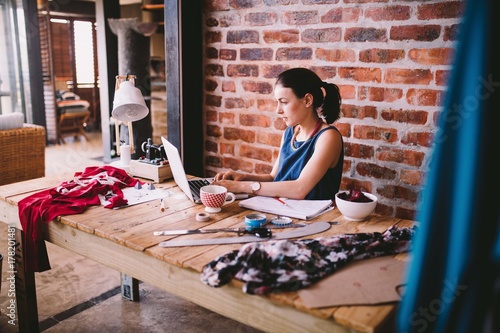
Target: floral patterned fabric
289 265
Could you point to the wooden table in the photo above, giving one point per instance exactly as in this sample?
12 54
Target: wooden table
122 239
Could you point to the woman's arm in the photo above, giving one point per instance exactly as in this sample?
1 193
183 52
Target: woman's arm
326 155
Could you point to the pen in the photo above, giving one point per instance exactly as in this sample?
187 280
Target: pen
280 201
162 204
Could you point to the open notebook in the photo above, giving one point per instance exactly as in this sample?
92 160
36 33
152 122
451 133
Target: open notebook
300 209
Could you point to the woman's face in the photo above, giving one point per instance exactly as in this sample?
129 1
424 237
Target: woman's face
289 106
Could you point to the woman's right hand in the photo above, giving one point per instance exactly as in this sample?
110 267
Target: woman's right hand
229 175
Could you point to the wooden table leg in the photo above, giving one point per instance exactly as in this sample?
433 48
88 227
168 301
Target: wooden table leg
27 311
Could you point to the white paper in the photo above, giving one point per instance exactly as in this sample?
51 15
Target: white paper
300 209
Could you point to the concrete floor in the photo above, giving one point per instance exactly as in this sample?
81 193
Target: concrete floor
80 295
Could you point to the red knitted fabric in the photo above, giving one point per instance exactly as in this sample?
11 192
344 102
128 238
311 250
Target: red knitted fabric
70 197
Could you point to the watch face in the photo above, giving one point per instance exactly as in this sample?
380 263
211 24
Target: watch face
256 186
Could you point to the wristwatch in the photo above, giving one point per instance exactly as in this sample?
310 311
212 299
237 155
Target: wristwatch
255 187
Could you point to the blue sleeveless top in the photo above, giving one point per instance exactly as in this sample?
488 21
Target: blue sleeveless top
292 162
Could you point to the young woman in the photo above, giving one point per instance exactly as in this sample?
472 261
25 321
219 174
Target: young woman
309 165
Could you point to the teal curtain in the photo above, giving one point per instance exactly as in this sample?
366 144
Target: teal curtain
453 280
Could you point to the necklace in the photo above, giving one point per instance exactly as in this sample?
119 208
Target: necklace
296 132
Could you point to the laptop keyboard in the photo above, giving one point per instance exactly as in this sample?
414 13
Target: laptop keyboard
196 184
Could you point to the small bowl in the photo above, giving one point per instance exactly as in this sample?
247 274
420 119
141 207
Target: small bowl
356 211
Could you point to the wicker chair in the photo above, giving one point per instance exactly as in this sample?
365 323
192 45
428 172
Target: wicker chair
23 155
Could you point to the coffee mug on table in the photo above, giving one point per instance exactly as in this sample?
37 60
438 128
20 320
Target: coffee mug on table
214 197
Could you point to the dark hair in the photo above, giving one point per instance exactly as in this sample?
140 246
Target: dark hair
303 81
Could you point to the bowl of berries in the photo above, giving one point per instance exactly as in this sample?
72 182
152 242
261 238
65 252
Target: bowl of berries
355 205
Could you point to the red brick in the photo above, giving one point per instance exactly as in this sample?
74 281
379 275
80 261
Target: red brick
210 85
231 133
227 54
342 15
255 120
237 103
435 56
411 177
266 105
344 128
377 94
451 32
212 53
263 169
424 97
213 100
237 164
289 36
375 133
424 33
398 192
423 139
211 115
214 70
214 161
441 10
405 213
227 117
242 70
359 112
211 146
227 148
228 86
256 54
300 17
256 153
383 56
388 13
294 53
442 77
325 35
415 117
272 71
365 35
408 76
229 20
358 150
375 171
403 156
213 37
214 130
242 37
361 74
257 87
261 18
336 55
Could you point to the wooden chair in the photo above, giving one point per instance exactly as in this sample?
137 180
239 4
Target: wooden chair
73 116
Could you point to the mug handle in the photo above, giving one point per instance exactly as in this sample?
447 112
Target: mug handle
230 197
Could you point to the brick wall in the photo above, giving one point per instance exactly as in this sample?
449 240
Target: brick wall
391 60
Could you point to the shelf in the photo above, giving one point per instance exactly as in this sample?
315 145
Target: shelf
152 7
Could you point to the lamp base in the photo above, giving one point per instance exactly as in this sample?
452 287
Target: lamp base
156 173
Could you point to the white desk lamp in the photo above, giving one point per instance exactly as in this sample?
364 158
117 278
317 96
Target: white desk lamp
128 106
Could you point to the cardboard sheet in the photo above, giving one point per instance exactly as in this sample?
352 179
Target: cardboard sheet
363 282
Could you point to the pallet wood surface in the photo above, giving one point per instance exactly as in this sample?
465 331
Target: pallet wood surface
123 239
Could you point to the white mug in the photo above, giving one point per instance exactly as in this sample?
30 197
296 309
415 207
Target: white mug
214 197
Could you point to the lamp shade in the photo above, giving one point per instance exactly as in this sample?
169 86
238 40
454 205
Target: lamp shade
129 104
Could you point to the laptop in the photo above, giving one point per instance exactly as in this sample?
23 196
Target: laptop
192 186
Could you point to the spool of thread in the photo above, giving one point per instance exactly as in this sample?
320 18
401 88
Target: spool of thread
255 220
125 154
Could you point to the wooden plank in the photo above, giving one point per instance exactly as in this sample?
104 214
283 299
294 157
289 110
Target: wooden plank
363 318
257 311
